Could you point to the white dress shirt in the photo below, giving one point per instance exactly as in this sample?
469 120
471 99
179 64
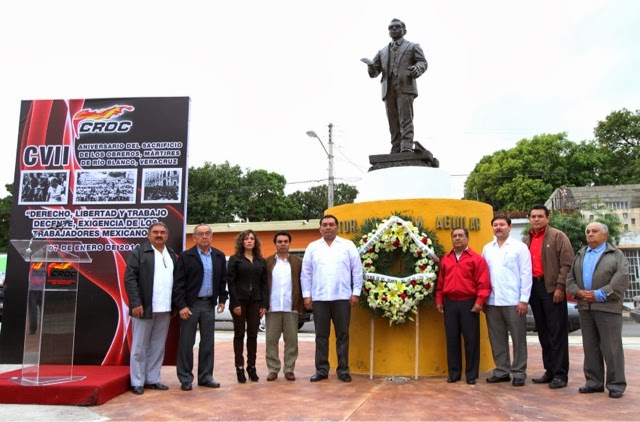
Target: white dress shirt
162 281
510 270
281 288
331 272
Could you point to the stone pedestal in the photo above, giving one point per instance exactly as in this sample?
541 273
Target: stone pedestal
394 347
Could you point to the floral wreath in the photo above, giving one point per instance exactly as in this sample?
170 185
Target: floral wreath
397 246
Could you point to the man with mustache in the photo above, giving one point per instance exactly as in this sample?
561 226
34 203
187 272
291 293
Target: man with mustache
148 280
510 271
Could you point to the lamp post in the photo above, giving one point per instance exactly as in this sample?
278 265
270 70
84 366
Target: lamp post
329 153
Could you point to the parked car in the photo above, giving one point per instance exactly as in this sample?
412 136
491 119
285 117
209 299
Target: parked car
226 316
635 312
572 310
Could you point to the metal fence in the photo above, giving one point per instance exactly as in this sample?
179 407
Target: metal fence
633 255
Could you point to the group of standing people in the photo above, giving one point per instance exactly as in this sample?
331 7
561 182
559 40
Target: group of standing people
282 286
508 277
503 281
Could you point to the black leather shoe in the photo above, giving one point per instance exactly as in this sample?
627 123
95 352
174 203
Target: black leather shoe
318 377
137 390
253 375
471 381
156 386
545 379
452 380
345 377
186 386
493 379
557 383
240 374
518 382
589 390
615 394
210 384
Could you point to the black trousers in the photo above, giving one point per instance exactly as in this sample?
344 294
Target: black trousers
248 320
459 320
203 317
337 312
552 322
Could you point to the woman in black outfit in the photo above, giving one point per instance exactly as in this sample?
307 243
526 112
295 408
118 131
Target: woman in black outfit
247 281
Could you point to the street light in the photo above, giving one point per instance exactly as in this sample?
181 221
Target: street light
329 153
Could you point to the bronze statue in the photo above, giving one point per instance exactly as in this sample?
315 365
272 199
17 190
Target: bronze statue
400 63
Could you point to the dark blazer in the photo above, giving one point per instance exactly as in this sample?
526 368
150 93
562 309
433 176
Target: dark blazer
411 54
138 277
189 274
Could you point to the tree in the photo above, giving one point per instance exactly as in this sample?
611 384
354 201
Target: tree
5 217
266 200
313 202
221 193
529 172
215 193
619 133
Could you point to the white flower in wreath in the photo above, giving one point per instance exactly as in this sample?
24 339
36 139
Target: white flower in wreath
397 298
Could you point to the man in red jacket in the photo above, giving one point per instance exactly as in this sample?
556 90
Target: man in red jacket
463 287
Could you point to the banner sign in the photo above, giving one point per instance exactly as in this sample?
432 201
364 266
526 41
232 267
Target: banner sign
97 171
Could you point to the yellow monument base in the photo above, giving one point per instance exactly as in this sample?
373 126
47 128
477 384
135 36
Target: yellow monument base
394 347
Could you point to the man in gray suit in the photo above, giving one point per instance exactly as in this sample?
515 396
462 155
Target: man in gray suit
598 279
400 63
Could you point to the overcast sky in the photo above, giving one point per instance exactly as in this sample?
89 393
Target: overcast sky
261 73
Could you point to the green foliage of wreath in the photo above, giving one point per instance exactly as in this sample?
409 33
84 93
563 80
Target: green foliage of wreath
397 260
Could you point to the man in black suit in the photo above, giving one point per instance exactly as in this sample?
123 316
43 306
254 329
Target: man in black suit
401 62
201 278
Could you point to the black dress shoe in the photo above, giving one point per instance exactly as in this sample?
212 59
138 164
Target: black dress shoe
210 384
589 390
344 378
240 374
545 379
518 382
493 379
318 377
186 386
615 394
557 383
137 390
452 380
156 386
471 381
253 374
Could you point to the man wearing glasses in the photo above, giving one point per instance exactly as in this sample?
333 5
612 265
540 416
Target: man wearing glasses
148 280
400 62
200 282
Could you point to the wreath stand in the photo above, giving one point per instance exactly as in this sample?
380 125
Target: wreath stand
371 344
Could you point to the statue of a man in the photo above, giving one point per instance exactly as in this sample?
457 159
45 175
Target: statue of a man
400 63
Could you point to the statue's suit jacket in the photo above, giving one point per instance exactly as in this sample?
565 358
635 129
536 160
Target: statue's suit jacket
411 54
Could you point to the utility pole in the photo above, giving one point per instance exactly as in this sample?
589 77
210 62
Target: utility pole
330 186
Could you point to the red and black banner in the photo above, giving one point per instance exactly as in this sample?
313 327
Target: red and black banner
97 171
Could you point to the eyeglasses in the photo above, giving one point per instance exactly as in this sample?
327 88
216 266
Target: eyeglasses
391 27
163 261
203 234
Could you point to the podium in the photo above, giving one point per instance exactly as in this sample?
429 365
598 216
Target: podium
51 309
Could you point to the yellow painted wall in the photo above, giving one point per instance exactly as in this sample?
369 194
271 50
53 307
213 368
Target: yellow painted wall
394 347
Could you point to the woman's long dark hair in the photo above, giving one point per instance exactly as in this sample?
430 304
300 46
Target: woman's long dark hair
257 252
